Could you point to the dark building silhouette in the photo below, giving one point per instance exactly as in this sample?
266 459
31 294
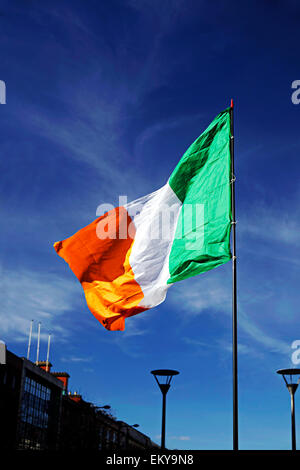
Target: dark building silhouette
78 424
39 413
30 405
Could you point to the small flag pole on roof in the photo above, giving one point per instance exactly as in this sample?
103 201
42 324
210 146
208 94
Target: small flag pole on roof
29 340
38 343
234 293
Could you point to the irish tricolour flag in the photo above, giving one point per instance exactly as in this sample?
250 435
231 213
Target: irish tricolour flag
127 259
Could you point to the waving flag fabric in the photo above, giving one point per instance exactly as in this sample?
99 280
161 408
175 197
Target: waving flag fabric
127 259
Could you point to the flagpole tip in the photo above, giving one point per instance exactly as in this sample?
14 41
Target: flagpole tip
231 103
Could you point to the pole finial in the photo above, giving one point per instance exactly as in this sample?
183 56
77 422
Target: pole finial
231 103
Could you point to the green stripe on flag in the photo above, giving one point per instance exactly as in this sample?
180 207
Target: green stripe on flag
201 181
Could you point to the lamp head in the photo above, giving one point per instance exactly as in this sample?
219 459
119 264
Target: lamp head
165 377
291 378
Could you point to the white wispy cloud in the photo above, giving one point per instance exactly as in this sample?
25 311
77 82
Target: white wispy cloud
76 359
219 344
136 326
180 438
211 294
175 438
85 139
257 333
277 224
200 293
161 126
28 295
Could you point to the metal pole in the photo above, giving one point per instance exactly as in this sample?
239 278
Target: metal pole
38 343
234 294
48 352
29 340
293 420
163 424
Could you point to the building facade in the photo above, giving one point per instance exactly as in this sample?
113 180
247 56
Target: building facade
39 413
30 404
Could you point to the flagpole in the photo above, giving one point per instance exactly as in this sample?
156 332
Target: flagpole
234 293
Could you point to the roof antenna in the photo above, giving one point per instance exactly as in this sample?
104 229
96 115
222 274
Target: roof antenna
29 341
38 343
48 352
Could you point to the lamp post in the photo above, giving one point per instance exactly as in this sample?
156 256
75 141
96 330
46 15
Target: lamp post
167 374
292 385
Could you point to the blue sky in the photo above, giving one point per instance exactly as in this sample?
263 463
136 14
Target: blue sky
102 100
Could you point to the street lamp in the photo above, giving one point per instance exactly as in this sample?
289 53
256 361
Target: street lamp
164 385
292 385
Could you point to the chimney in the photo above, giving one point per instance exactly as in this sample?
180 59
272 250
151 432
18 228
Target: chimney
45 365
63 377
75 397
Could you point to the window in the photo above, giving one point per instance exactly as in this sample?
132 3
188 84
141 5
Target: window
34 415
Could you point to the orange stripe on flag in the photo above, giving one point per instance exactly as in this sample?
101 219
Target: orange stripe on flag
103 269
